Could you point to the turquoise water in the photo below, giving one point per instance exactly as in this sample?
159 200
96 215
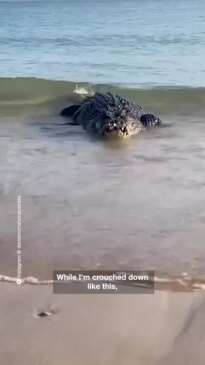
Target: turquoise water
137 42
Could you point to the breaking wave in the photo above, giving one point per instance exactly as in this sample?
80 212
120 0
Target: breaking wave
23 95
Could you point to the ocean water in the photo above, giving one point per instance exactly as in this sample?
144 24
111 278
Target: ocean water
133 42
137 204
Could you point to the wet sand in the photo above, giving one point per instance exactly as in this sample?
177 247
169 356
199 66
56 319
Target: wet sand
88 204
152 329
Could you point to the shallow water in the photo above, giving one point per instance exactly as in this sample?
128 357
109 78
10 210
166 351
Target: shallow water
93 204
87 203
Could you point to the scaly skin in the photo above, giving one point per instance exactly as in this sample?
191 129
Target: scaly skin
110 115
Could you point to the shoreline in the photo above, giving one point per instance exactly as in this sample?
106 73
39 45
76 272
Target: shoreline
184 283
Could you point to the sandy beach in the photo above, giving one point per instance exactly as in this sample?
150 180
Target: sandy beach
86 205
160 329
70 200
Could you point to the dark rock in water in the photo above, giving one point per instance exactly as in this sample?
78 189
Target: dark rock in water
150 120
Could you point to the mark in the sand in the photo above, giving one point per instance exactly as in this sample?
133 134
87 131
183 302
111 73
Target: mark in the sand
43 314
